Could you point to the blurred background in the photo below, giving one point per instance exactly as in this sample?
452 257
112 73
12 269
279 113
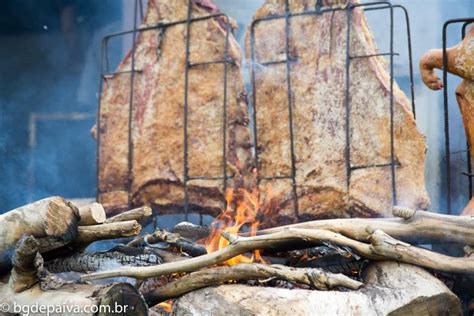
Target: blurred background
49 75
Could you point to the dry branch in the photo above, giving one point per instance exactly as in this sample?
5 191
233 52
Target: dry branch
173 239
237 246
89 234
53 218
382 247
316 278
416 227
92 214
391 289
136 214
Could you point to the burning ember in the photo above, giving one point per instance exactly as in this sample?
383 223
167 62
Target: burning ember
246 210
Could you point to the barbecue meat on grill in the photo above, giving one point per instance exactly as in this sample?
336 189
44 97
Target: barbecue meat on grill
317 50
157 122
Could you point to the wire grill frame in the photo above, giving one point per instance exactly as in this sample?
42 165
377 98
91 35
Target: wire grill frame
318 10
226 61
465 23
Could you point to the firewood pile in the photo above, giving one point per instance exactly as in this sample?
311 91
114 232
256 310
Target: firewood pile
369 263
323 103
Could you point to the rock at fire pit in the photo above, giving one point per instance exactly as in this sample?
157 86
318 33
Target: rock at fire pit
391 288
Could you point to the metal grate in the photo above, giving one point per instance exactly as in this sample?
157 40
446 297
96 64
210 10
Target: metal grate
318 10
468 173
226 61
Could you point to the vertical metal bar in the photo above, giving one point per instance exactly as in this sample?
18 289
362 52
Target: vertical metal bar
347 96
290 107
106 53
224 119
469 167
130 106
392 127
468 145
253 80
99 106
446 120
319 6
410 59
141 10
186 90
464 27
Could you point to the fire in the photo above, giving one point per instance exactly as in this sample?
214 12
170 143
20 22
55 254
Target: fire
166 306
244 210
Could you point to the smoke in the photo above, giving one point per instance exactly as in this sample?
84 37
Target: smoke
49 64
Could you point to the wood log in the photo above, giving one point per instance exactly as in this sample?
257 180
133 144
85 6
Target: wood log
421 227
53 217
191 231
87 262
92 214
23 294
382 247
89 234
392 289
137 214
316 278
24 272
173 239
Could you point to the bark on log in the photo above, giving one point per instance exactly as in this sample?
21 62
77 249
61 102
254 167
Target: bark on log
92 214
316 278
23 294
191 231
89 234
175 240
24 272
136 214
382 247
420 227
87 262
392 289
53 217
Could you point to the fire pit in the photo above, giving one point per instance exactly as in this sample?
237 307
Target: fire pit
313 170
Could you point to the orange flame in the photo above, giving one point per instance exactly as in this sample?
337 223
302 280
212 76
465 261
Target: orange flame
166 306
243 210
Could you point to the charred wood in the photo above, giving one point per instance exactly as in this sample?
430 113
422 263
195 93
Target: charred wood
191 231
181 245
87 262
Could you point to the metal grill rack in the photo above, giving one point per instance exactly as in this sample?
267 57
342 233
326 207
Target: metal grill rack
226 61
468 173
318 10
